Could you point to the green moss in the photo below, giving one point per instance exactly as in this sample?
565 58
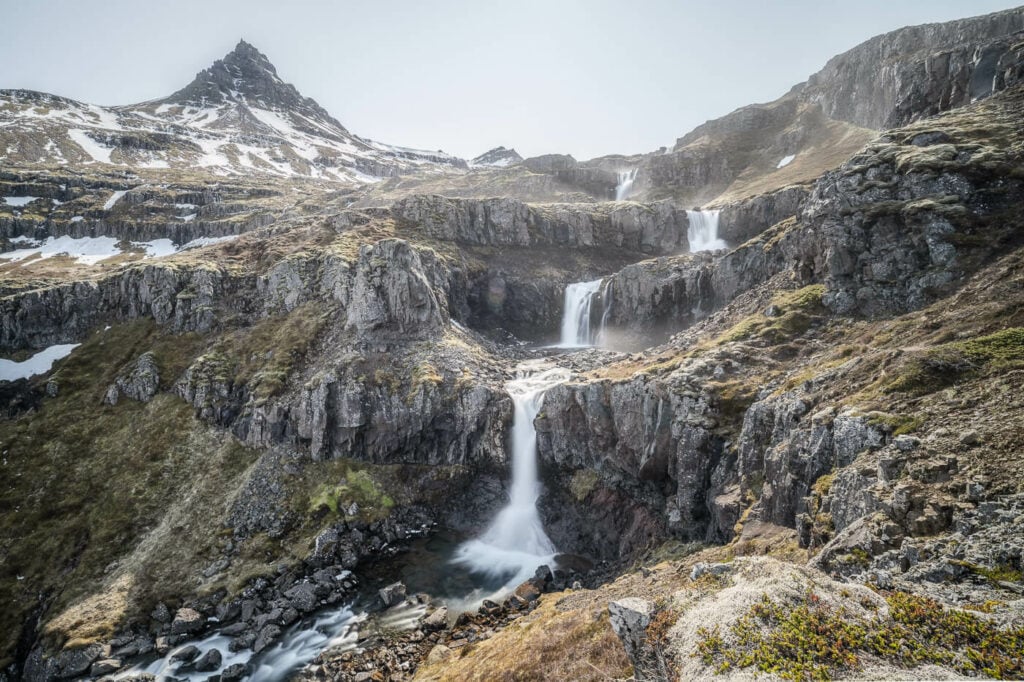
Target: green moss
263 356
357 487
813 641
584 482
797 311
898 424
999 573
945 364
92 480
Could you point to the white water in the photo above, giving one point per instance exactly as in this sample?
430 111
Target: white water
625 185
515 544
606 301
576 314
337 630
703 231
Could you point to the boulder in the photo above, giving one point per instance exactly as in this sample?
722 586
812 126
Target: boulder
186 621
209 661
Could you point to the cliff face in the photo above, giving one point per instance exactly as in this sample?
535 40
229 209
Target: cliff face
918 71
886 82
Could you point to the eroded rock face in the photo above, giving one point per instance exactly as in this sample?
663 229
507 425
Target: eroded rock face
182 299
650 439
743 220
919 71
139 380
391 295
647 228
662 296
785 446
344 416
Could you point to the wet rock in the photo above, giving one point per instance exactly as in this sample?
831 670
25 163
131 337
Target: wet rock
437 620
528 592
234 672
392 594
105 666
266 637
186 654
209 661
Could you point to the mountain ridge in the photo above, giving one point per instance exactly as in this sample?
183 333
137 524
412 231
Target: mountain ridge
237 116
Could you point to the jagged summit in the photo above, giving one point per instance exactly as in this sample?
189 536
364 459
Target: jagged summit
497 157
236 117
245 75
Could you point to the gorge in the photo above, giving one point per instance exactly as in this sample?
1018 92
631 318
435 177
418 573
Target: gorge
282 402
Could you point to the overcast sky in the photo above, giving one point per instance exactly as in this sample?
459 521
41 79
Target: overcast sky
586 77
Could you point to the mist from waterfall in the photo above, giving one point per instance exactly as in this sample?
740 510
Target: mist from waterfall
515 544
625 184
702 232
576 314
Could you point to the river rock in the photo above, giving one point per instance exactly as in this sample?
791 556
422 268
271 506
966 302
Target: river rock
209 661
392 594
186 654
186 621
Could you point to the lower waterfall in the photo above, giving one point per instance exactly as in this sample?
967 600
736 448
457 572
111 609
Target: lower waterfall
515 544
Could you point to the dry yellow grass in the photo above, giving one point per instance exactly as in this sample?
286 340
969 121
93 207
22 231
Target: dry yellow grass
548 644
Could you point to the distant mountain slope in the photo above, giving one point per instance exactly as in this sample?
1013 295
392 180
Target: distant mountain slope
887 81
235 117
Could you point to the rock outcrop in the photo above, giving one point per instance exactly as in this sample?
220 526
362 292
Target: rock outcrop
646 228
139 381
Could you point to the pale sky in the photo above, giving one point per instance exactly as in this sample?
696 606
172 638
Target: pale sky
586 77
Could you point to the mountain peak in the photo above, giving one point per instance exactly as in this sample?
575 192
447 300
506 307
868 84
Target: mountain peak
497 157
246 76
247 58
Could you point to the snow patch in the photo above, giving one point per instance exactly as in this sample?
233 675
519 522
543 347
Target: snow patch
85 250
786 160
40 363
90 146
114 198
19 201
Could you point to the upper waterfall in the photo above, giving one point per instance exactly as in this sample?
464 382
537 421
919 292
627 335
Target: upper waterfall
625 185
702 232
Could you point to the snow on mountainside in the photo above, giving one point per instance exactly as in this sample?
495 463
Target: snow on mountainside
236 117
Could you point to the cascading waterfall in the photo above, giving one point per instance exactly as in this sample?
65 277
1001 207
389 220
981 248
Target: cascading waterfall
576 314
703 231
515 544
606 303
625 185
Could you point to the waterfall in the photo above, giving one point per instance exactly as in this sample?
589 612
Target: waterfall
703 231
625 185
606 304
515 544
576 314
